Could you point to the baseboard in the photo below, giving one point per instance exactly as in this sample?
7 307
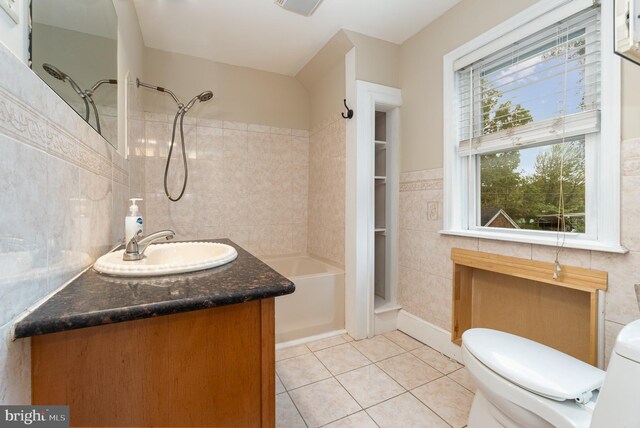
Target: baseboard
305 340
385 319
430 334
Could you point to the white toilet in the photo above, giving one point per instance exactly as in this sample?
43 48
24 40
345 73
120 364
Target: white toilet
521 383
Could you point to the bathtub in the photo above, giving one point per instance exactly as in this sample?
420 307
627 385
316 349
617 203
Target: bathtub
317 305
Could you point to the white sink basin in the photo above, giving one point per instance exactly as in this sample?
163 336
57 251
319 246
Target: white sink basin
165 259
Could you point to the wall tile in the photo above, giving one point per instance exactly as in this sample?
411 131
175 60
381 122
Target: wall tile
209 142
567 256
15 370
630 218
611 331
326 188
64 188
504 248
624 271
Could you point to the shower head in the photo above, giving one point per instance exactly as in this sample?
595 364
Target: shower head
54 71
203 97
60 75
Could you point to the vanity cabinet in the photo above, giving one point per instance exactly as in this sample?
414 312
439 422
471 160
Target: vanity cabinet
212 367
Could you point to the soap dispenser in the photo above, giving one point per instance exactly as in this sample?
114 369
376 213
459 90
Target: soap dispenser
133 221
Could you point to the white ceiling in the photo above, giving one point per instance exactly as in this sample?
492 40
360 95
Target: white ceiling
261 35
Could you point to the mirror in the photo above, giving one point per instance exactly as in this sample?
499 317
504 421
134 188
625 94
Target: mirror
74 50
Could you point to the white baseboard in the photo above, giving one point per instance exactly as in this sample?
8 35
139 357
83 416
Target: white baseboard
305 340
385 320
430 334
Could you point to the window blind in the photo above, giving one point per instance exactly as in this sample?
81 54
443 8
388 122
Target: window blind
534 91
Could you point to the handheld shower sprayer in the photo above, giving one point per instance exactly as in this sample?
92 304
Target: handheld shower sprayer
56 73
86 95
182 110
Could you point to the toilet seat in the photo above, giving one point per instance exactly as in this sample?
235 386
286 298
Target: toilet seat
504 402
533 366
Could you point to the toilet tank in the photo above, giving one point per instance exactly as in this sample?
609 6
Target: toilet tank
619 400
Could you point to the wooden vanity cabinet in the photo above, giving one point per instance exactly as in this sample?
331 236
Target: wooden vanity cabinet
206 368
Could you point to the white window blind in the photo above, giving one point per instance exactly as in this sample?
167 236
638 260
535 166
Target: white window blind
533 92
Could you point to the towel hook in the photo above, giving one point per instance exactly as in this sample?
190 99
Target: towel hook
349 114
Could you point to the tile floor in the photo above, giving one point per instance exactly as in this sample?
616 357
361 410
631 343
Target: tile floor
390 380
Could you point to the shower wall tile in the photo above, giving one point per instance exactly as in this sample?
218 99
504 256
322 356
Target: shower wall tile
326 189
210 143
239 126
247 182
213 123
64 189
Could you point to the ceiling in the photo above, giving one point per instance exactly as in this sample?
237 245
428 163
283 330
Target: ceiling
261 35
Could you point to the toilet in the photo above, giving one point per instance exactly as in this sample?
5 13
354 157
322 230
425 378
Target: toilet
522 383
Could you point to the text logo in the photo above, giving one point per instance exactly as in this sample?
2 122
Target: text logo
34 416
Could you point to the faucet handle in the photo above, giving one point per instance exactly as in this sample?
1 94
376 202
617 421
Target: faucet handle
132 245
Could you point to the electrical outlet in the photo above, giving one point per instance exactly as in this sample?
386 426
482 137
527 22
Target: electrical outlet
11 7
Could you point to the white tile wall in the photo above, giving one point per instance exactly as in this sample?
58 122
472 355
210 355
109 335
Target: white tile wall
64 191
247 182
327 167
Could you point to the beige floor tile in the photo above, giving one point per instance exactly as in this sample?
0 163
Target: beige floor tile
405 411
299 371
342 358
369 385
357 420
279 386
463 377
287 415
409 370
436 360
406 342
449 400
326 343
324 402
294 351
347 338
378 348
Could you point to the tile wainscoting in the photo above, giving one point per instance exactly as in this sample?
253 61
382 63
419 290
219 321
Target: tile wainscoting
64 189
425 268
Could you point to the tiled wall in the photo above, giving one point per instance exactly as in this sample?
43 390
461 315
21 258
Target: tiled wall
327 151
425 269
63 190
246 182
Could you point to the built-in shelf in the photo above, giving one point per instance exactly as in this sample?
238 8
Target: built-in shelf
384 146
381 305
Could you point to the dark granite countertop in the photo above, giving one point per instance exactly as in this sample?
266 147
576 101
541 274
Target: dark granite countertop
93 299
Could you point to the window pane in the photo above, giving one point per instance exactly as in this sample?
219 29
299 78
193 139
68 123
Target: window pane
552 73
521 188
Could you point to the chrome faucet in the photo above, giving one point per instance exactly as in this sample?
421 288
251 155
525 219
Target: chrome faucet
137 245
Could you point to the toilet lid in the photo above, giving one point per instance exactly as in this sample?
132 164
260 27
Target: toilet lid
531 365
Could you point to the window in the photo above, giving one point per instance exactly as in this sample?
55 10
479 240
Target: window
528 139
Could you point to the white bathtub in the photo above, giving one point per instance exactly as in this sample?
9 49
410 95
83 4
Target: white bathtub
317 305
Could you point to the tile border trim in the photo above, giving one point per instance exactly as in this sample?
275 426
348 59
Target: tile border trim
24 124
418 185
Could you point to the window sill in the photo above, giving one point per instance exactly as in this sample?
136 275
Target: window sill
580 244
